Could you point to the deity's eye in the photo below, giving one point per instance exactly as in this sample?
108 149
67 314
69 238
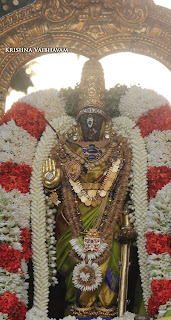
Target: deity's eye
90 121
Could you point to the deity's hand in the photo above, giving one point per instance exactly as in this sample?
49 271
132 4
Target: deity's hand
52 176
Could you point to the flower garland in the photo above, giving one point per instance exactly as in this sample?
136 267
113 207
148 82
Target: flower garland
27 117
158 145
137 101
15 176
156 124
40 259
35 129
124 126
158 246
17 152
48 101
156 119
51 240
17 145
10 304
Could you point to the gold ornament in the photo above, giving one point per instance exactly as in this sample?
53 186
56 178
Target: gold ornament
92 89
54 198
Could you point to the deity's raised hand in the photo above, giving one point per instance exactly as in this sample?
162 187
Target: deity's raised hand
52 176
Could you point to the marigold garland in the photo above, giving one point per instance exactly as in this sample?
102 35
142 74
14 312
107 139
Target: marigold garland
11 305
29 118
158 243
15 176
157 178
156 119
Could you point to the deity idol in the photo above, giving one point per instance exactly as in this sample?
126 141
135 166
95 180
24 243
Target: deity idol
87 178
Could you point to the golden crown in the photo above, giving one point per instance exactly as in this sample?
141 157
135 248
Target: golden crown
92 89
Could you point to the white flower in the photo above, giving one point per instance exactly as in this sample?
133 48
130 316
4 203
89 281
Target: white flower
159 211
158 147
84 276
87 276
36 314
138 100
3 316
17 145
47 100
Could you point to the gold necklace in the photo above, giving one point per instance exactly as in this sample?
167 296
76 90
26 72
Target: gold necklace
92 196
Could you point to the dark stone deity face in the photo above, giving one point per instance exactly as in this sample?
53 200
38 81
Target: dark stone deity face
91 125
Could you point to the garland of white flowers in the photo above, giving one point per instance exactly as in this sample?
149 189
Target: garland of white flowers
158 148
51 240
126 127
47 100
17 145
137 100
38 212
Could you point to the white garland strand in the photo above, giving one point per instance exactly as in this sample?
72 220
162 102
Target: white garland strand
37 314
47 100
124 126
158 148
38 215
17 145
51 240
138 100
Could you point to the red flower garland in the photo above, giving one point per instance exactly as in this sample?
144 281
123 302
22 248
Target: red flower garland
10 259
11 305
155 119
158 177
15 176
161 293
26 244
158 243
27 117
